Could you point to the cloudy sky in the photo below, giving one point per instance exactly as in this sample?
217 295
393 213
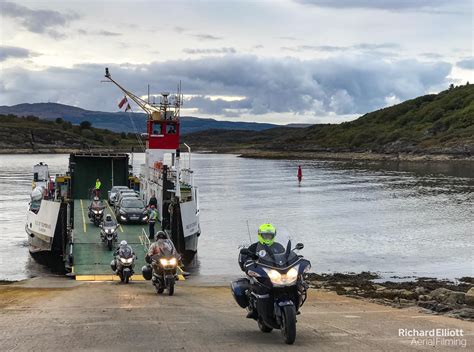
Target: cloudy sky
274 61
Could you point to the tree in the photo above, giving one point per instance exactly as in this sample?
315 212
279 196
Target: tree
123 135
451 86
85 124
59 120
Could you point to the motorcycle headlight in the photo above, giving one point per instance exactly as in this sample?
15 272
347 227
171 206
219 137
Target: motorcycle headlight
287 279
126 261
108 231
123 260
166 262
101 211
95 211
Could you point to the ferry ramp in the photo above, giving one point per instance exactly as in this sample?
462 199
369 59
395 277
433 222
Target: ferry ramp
92 257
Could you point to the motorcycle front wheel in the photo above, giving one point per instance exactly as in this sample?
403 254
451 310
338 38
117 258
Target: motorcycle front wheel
109 244
288 324
171 289
263 327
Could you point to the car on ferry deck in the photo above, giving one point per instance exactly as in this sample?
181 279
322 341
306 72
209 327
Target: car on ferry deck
124 193
131 210
113 193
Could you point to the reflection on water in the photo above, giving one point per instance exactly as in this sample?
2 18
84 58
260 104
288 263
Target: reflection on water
396 218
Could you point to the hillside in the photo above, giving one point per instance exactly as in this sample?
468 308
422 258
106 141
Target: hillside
121 121
31 134
432 124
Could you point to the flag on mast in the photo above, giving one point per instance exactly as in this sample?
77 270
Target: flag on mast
122 102
128 108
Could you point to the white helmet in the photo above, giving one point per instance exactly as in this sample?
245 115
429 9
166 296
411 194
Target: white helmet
123 243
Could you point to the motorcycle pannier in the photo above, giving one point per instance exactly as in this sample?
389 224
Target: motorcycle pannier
238 288
147 272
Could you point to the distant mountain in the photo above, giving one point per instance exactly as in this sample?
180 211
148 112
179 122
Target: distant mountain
432 124
121 121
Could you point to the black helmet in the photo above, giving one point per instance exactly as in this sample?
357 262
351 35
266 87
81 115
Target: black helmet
160 235
108 217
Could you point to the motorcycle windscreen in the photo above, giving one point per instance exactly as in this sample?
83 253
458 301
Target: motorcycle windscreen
125 252
276 255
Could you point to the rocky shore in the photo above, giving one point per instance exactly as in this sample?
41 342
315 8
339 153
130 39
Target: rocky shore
455 299
362 156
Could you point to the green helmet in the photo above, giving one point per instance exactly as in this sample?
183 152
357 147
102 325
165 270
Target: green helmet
266 234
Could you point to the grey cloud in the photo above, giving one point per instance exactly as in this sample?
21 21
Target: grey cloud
109 34
100 33
204 36
7 52
210 51
178 29
38 21
332 48
352 84
205 105
467 63
434 56
391 5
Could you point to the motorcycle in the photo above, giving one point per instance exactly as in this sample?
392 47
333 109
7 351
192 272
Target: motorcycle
96 214
108 234
124 263
163 272
274 289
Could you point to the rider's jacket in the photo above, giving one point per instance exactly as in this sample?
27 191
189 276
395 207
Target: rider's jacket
255 250
162 247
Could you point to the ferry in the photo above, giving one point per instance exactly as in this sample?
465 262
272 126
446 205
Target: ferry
57 224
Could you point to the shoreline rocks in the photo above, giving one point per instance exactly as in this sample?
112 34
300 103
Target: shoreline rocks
455 299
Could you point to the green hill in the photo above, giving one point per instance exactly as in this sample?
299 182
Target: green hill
121 121
31 134
432 124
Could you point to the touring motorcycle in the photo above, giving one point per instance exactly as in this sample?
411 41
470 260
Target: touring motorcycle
274 289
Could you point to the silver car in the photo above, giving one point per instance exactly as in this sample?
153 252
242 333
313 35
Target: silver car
112 194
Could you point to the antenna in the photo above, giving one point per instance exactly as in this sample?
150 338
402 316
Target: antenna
148 94
248 230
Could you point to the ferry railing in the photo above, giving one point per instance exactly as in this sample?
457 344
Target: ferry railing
187 177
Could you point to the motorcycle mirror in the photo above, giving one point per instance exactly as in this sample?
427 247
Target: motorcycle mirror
245 251
299 246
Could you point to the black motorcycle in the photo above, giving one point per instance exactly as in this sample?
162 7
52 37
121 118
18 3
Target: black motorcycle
274 289
124 263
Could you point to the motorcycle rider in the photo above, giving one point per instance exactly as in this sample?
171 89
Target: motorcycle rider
266 242
123 245
95 204
108 221
159 247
